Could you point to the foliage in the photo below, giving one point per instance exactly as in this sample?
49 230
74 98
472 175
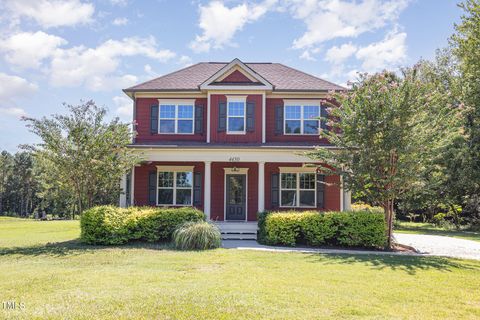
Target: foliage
349 229
391 127
85 155
361 206
200 235
112 225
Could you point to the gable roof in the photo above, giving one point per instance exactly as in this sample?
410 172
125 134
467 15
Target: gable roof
277 75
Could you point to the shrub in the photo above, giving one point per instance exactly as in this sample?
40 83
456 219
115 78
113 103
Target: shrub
352 229
361 206
112 225
197 236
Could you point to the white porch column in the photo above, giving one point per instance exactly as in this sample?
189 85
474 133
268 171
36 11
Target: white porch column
261 186
347 200
208 117
123 188
208 189
132 189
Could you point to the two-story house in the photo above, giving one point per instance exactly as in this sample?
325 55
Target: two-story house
230 138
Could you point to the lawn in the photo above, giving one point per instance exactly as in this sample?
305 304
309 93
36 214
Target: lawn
430 229
68 280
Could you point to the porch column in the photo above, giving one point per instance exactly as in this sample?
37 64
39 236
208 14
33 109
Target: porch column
123 189
261 186
207 188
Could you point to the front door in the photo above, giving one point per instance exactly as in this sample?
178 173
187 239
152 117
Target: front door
236 197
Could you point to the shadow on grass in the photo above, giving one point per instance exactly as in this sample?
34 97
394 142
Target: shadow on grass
407 264
75 247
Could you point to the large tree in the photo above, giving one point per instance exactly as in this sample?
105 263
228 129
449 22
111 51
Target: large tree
387 129
83 153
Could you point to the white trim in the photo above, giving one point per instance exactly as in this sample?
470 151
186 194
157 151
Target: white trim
175 168
208 117
298 169
236 62
261 186
341 194
176 119
242 99
174 189
264 118
208 188
232 70
301 102
297 191
235 170
302 119
245 173
132 188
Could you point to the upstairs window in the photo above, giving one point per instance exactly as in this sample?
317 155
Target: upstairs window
302 119
175 188
176 118
298 190
236 115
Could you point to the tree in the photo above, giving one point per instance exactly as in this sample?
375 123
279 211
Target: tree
387 129
466 47
85 155
6 169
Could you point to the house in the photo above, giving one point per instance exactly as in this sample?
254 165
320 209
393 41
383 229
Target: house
230 138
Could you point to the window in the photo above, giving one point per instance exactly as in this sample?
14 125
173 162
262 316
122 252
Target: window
298 190
236 115
176 118
175 188
302 119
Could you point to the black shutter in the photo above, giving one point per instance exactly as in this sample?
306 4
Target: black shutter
250 116
278 120
197 188
324 115
222 116
275 190
320 191
152 187
199 119
154 119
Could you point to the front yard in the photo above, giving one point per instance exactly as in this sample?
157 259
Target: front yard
430 229
66 279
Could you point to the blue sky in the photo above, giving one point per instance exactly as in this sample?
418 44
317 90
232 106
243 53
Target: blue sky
55 51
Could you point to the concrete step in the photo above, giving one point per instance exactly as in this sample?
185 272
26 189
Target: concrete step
239 236
238 230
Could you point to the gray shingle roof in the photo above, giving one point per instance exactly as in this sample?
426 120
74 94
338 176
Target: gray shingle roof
282 78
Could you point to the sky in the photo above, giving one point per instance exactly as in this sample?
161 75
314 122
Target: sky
65 51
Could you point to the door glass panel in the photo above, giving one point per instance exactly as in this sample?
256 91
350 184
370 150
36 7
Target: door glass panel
235 192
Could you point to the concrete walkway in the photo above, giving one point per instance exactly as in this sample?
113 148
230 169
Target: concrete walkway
425 244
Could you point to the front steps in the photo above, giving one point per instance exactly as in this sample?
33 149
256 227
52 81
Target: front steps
237 230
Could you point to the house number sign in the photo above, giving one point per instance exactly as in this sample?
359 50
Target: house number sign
234 159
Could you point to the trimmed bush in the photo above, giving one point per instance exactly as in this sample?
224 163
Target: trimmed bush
109 225
197 236
348 229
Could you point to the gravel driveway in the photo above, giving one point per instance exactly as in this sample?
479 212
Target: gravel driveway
441 246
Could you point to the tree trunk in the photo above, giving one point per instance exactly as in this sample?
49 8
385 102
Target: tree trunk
388 209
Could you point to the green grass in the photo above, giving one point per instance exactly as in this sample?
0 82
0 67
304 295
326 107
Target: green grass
430 229
68 280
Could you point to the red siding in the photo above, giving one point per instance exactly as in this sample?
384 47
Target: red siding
332 192
236 76
143 123
218 189
254 137
141 179
270 124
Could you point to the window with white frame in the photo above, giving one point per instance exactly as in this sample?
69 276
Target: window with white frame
236 118
301 118
175 188
176 117
298 189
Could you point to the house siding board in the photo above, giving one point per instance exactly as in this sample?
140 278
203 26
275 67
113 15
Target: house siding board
218 189
236 77
332 192
270 126
254 136
141 179
142 117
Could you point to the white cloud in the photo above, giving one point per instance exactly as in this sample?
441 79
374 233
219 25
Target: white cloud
337 55
28 50
389 52
220 23
121 3
185 61
52 13
97 68
123 106
12 88
330 19
120 21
